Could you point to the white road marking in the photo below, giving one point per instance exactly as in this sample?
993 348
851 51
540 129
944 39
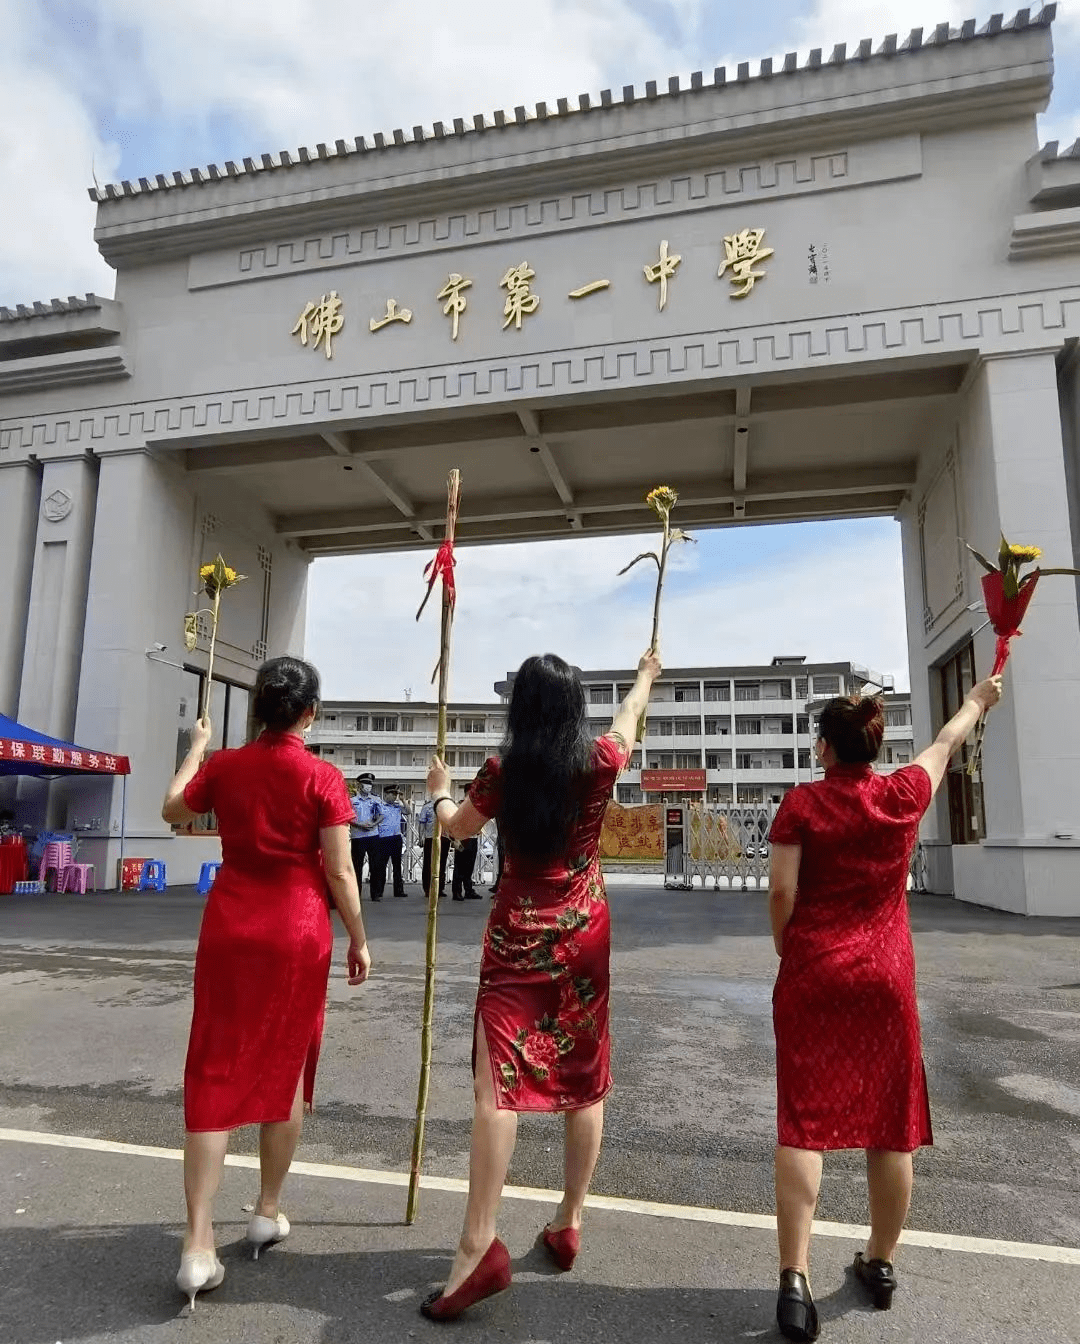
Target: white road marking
941 1241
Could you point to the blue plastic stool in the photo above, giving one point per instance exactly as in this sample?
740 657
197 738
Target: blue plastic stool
206 878
153 876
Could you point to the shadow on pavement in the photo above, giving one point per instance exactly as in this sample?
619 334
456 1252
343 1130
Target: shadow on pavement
73 1283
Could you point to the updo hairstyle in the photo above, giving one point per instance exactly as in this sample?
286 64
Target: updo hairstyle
853 726
285 688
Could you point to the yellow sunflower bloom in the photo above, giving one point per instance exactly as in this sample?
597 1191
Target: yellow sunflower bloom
662 500
1025 554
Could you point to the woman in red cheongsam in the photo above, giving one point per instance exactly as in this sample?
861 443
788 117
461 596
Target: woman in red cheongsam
540 1039
263 959
849 1069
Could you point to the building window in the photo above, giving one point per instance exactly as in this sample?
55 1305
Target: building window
751 793
451 756
687 693
802 688
803 725
471 760
744 760
384 723
826 685
967 817
787 760
688 760
747 690
384 756
330 718
635 761
472 726
804 759
898 716
601 695
745 727
361 723
661 728
407 723
660 760
775 690
687 727
622 691
718 760
629 794
903 757
717 727
451 724
719 793
717 690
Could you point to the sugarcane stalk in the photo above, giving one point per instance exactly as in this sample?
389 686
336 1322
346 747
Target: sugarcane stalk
427 1020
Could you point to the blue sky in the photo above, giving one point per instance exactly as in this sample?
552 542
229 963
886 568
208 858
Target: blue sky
127 88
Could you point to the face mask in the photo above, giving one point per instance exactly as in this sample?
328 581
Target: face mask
365 788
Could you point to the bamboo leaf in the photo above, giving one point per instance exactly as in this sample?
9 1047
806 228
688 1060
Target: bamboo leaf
645 555
990 569
1059 571
679 535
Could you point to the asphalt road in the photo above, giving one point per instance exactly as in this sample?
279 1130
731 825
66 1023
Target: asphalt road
95 995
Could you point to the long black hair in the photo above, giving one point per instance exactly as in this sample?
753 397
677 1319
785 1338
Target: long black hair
545 754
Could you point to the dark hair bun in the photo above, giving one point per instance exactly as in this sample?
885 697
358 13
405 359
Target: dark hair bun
854 727
285 688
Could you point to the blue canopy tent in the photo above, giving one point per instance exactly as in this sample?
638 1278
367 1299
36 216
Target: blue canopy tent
24 751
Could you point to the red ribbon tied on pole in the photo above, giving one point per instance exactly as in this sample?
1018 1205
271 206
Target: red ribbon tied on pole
1006 613
443 564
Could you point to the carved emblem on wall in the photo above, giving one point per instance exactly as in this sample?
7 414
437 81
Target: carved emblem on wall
56 506
941 551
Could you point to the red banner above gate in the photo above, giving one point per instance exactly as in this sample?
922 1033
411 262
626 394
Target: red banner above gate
673 781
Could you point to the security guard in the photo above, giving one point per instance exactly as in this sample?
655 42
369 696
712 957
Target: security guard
426 826
364 833
391 828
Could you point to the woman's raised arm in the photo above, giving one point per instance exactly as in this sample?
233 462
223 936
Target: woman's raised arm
629 713
935 759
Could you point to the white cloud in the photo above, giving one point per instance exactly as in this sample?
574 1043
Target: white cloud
48 148
564 597
300 71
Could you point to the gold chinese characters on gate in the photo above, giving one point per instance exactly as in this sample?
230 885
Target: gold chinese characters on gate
323 319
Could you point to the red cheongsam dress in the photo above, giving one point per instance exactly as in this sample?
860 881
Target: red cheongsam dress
263 959
849 1066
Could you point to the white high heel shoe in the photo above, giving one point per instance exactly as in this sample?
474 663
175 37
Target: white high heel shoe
199 1272
266 1231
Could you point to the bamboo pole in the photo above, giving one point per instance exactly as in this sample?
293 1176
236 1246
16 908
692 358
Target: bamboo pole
442 564
204 706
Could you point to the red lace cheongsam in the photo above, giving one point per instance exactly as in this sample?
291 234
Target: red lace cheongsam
849 1067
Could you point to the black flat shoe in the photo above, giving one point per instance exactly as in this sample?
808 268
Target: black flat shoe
456 897
879 1277
796 1314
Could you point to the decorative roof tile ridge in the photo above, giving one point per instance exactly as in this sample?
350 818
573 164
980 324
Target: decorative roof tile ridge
890 46
1052 151
72 304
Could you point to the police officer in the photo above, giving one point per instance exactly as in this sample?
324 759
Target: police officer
391 827
426 825
364 833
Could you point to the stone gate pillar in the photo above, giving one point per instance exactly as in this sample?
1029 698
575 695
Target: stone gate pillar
1013 477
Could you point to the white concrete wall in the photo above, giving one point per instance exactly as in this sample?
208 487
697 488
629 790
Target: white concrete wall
149 538
20 489
1004 471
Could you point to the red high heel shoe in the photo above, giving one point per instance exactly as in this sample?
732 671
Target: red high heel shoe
492 1275
563 1246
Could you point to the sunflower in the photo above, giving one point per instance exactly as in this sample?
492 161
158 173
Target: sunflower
1024 555
662 500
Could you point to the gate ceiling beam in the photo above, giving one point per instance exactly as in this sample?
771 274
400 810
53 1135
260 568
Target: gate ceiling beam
740 452
530 423
340 446
851 483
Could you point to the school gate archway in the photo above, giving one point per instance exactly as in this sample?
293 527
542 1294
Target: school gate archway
828 288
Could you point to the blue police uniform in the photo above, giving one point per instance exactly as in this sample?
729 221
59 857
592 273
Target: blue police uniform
389 842
364 832
426 826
